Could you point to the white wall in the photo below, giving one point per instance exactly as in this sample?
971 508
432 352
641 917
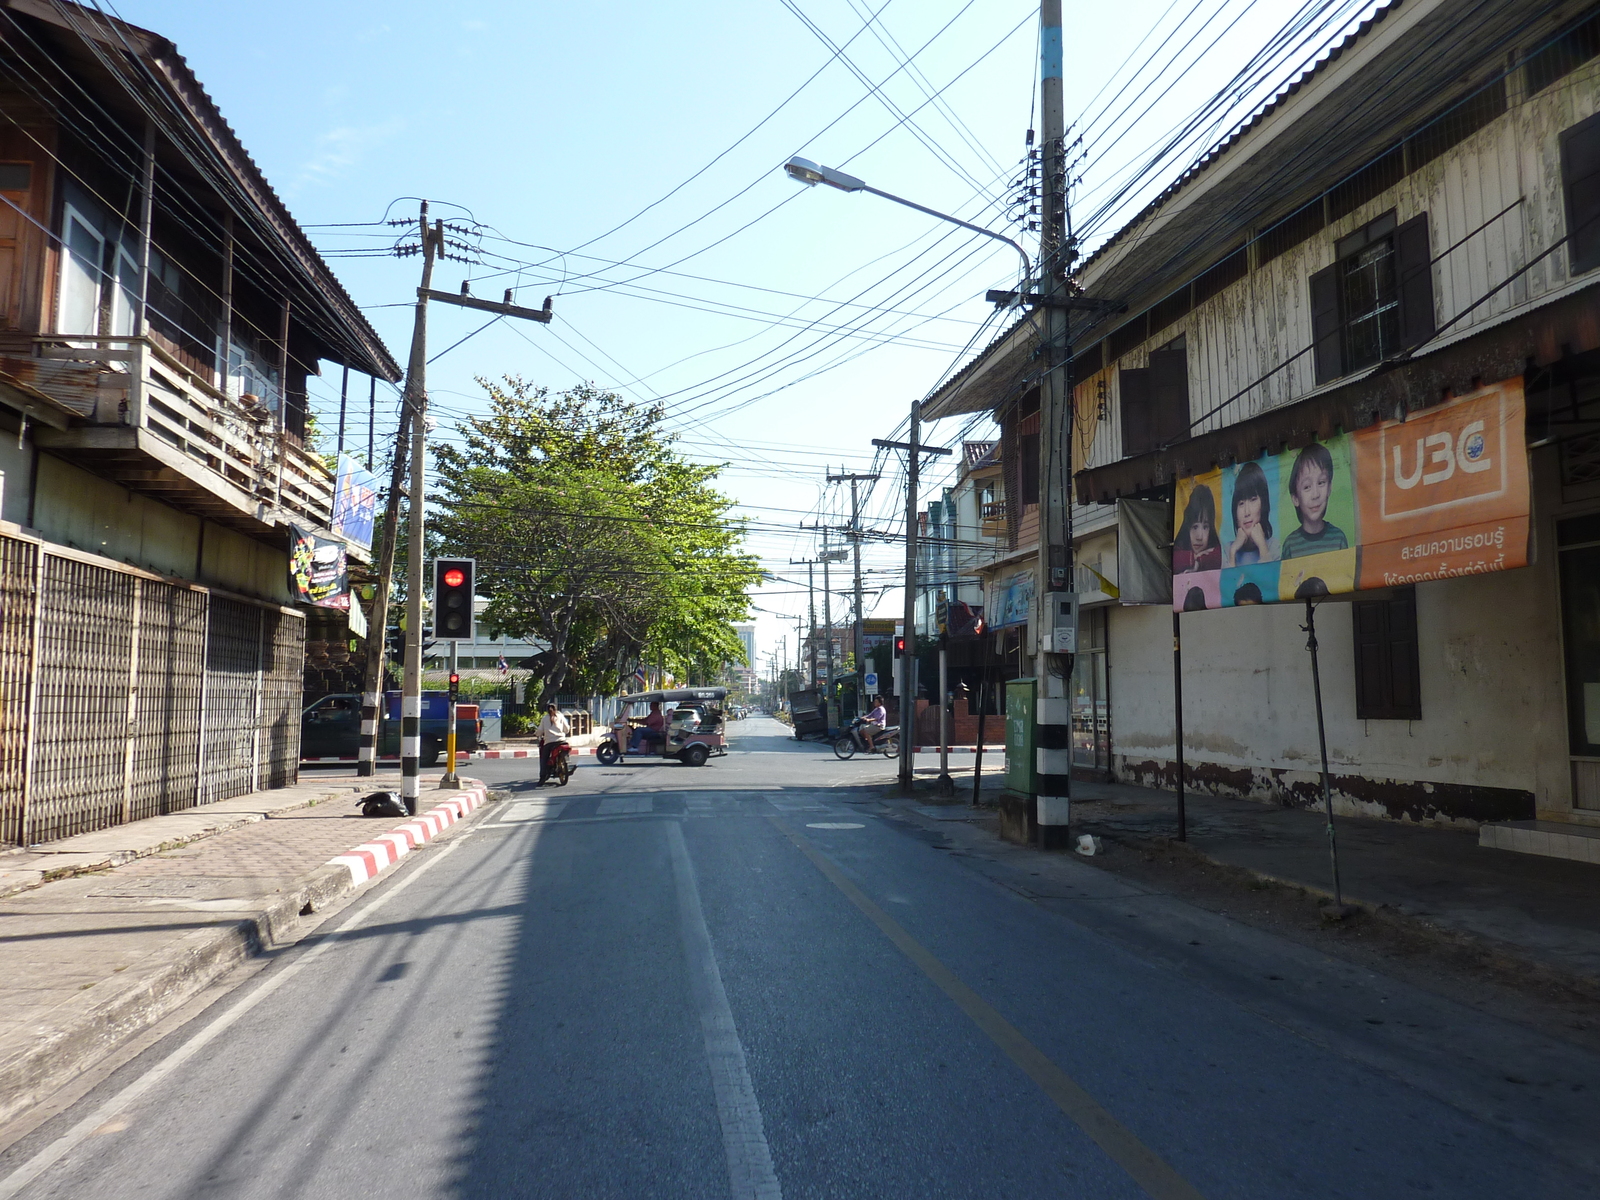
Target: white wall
1493 712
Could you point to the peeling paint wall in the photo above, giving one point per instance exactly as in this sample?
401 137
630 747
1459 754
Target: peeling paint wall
1491 744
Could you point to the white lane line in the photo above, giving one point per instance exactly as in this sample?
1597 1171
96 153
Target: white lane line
530 810
750 1172
130 1095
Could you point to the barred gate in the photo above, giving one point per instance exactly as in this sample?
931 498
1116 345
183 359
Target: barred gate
19 587
123 696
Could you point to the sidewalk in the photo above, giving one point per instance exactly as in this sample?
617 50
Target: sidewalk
1542 911
104 934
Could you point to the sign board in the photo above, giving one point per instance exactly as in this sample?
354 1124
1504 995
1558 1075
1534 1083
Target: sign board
355 501
318 570
1439 495
1010 600
870 682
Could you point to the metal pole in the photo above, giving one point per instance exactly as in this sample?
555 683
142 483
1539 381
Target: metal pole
416 389
1177 721
983 712
827 619
227 300
860 630
372 418
378 624
945 786
344 397
811 617
1310 628
147 197
908 673
450 780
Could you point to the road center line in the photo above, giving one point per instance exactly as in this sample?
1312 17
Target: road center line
128 1096
1148 1169
750 1171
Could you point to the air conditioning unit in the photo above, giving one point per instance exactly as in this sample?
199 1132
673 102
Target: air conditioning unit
1059 634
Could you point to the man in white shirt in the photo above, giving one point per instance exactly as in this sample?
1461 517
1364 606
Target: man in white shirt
554 729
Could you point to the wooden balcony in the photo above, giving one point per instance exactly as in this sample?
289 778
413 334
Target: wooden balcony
138 415
992 518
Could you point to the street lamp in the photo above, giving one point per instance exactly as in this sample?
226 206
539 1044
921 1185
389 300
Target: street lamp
803 170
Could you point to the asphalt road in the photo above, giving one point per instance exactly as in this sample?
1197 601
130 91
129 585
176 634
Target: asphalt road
754 980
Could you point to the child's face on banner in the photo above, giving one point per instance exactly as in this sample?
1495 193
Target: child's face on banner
1200 535
1311 492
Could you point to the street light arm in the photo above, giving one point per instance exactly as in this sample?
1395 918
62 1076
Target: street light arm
1027 263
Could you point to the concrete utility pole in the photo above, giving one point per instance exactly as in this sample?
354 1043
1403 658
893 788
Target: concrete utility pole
1053 706
908 681
417 402
855 541
378 626
827 619
810 565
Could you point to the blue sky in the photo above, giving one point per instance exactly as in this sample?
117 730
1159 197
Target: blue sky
783 327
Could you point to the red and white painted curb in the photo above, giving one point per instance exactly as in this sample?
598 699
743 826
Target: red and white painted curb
370 859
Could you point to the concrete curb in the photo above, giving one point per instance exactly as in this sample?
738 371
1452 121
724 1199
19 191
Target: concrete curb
90 1026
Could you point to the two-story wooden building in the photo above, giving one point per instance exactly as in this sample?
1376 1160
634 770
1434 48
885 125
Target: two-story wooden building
160 312
1415 219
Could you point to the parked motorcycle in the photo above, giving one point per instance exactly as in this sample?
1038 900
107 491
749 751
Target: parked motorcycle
853 739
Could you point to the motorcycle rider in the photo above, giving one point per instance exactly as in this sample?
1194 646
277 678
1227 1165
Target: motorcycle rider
875 722
554 729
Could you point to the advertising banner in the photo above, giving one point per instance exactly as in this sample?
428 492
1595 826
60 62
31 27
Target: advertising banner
355 501
1439 495
318 571
1011 600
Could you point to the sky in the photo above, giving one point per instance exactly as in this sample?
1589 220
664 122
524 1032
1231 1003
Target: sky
626 160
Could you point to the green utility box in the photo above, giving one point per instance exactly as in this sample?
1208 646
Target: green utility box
1022 764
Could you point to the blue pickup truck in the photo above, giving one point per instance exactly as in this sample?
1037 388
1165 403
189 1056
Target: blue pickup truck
330 728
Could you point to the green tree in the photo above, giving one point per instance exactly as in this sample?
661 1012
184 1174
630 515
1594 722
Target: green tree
593 536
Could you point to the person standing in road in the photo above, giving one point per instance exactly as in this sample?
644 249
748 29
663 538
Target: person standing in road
554 730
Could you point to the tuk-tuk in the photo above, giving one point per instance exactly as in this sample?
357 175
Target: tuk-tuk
692 733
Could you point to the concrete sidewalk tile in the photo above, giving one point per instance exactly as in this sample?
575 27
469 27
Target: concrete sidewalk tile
89 959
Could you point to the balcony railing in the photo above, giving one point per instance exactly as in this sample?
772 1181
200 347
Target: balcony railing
992 516
248 460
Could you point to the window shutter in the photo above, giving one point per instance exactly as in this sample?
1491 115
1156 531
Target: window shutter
1137 435
1580 177
1169 396
1387 684
1325 325
1414 268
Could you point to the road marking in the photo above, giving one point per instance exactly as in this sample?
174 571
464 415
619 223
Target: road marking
750 1172
1148 1169
128 1096
521 811
833 825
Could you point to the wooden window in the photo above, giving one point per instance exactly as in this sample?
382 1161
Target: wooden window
1129 336
1087 363
1370 182
1165 312
1387 668
1028 451
1375 300
1456 124
1214 278
1580 179
1288 233
1155 402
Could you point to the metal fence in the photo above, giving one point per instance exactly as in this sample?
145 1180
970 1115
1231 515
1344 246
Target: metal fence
123 696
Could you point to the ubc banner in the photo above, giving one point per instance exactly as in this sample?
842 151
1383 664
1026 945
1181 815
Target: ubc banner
1439 495
355 501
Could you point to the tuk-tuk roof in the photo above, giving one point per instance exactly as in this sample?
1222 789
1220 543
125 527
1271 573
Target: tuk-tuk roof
677 695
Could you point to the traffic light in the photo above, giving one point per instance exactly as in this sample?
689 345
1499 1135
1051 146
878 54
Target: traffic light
395 643
455 684
452 598
899 647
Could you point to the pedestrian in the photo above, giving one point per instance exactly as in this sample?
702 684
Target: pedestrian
554 730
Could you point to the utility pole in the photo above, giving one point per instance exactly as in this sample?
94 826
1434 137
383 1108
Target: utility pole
855 540
417 398
1053 706
827 619
810 565
908 682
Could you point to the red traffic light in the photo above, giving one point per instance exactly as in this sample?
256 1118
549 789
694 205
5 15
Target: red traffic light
454 678
899 646
454 577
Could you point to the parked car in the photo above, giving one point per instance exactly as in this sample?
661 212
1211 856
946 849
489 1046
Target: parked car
331 727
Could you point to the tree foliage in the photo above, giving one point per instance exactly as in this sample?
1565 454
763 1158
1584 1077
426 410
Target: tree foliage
594 536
